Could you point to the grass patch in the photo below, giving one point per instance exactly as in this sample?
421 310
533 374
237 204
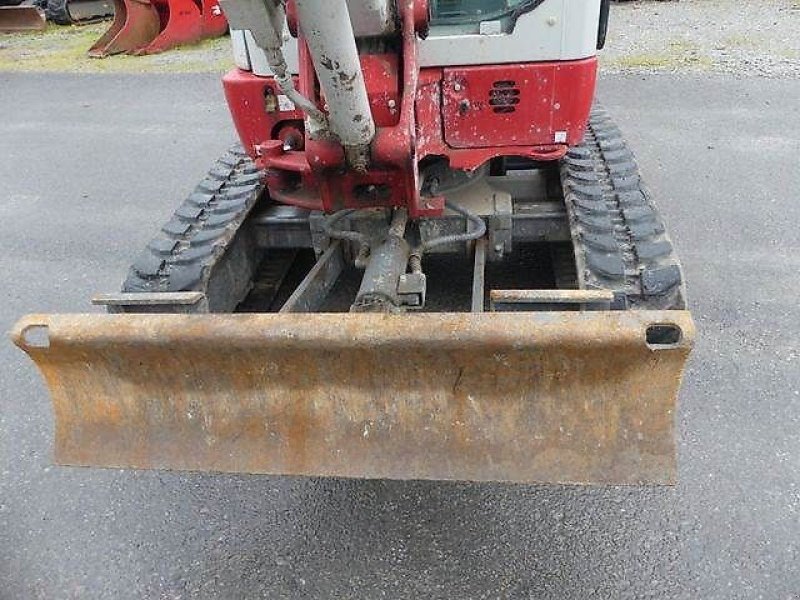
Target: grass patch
63 49
643 61
678 53
739 40
665 62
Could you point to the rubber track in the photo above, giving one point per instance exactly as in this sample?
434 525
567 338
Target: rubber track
183 254
619 238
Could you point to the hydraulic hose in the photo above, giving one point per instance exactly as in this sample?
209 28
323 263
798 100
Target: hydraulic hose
266 19
277 63
478 231
341 234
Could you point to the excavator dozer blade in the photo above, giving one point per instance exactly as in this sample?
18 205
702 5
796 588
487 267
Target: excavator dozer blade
86 11
21 18
549 397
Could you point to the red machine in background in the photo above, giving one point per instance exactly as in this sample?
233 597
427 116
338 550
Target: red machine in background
153 26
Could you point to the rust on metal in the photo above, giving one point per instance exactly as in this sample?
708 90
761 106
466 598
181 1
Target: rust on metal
21 18
136 23
529 397
148 298
312 291
153 302
479 275
85 11
500 300
552 296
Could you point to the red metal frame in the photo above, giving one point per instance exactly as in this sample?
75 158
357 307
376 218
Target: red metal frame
443 112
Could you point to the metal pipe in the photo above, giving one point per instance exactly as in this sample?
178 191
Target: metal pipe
326 26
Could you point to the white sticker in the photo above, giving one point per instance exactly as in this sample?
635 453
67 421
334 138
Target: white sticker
284 104
560 137
490 28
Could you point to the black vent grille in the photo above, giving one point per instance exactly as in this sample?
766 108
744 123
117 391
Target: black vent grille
504 96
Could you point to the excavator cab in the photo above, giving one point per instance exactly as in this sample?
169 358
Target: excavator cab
429 257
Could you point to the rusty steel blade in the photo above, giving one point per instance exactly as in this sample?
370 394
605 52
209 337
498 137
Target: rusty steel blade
83 11
21 18
572 397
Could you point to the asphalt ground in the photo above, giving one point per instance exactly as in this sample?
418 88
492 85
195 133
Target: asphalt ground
91 166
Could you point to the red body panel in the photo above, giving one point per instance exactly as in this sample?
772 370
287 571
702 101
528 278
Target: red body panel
381 76
246 95
534 104
447 113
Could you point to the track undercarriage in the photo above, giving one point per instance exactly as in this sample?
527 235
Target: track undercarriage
585 224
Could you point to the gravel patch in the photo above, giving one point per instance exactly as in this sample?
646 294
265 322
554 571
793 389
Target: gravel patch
743 38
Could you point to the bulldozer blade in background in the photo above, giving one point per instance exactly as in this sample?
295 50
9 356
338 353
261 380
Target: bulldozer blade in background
87 11
21 18
569 397
136 24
